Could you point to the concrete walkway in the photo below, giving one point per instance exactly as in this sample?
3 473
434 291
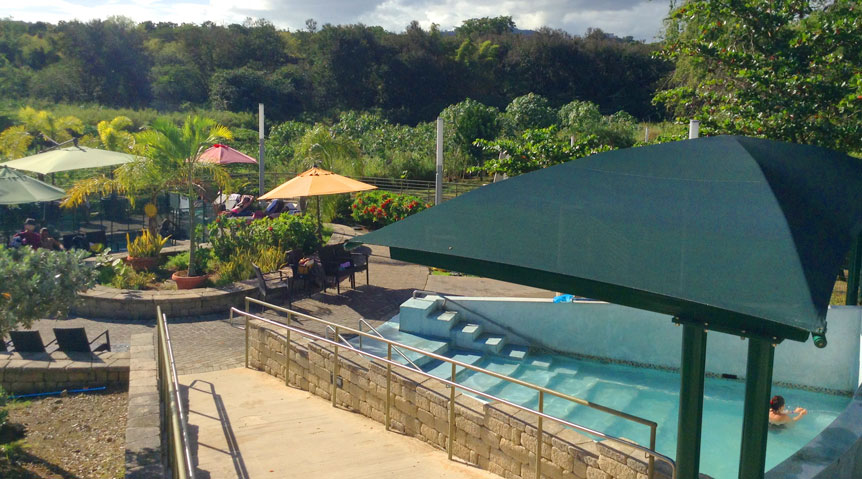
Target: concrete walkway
247 424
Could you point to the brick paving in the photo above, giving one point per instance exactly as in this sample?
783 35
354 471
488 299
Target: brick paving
210 343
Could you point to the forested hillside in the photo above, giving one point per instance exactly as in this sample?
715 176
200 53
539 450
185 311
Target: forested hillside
409 77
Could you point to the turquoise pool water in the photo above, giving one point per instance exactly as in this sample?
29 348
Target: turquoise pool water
651 394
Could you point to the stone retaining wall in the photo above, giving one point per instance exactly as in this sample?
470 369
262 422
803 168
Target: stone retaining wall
143 438
492 436
104 302
41 372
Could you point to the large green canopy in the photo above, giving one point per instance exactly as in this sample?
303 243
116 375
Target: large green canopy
16 189
69 158
744 234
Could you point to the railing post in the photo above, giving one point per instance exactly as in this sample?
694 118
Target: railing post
388 382
246 341
335 368
651 466
539 436
451 415
360 336
287 359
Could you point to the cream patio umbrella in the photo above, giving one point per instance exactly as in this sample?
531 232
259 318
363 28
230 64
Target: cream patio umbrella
16 189
69 158
316 182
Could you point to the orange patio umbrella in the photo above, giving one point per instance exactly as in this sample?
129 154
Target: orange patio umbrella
316 182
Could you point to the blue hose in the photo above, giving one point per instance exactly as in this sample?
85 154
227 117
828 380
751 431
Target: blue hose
55 393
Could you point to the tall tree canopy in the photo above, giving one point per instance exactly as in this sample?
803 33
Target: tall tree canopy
789 70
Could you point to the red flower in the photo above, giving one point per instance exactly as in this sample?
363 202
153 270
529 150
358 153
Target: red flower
270 228
353 206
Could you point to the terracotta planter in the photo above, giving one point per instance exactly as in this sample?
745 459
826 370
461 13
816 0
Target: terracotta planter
188 282
142 264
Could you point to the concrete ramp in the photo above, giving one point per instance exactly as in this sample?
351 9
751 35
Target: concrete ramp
247 424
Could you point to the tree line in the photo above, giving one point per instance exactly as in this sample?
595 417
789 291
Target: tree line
312 74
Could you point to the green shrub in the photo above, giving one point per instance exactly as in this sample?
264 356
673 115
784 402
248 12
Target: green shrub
178 262
381 208
229 235
4 414
40 284
126 277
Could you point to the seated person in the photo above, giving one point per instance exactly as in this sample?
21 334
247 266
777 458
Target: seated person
780 416
293 209
49 242
28 236
275 208
243 208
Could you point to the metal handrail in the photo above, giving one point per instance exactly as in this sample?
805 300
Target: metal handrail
446 300
337 336
362 321
541 390
169 390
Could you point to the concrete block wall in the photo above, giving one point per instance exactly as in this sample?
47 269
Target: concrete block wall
105 302
493 436
41 372
144 459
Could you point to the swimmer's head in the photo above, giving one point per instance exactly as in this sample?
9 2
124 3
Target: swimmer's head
776 403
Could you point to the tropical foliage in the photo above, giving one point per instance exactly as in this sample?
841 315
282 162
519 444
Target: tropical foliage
536 149
788 70
147 245
380 208
40 284
168 161
312 74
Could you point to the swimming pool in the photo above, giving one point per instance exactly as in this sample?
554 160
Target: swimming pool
649 393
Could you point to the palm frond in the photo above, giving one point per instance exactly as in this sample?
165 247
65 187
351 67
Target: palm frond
78 193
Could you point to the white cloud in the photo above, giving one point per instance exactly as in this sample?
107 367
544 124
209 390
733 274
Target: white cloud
638 18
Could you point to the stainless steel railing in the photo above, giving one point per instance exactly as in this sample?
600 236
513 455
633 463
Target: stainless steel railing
174 421
375 331
649 452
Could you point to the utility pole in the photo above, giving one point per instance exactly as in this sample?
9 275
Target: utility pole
260 154
438 190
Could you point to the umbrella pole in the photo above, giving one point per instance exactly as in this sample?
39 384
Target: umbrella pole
319 224
755 422
693 368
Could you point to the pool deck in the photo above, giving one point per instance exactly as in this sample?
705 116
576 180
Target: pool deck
247 424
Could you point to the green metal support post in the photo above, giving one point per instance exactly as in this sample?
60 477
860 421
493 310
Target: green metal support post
853 272
693 368
755 422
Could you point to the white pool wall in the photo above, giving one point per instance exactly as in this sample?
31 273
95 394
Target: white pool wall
626 334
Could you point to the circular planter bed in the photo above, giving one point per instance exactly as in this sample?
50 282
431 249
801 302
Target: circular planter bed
106 302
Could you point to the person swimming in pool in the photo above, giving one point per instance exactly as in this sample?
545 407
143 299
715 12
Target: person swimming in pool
780 416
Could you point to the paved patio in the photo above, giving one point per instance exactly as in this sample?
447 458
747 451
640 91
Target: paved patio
209 343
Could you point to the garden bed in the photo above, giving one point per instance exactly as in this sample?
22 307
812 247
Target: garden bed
81 435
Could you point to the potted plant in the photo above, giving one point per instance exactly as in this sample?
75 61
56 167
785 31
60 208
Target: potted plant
144 250
182 278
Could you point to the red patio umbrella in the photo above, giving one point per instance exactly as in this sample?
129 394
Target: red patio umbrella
223 155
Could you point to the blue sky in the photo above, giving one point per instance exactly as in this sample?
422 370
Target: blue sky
639 18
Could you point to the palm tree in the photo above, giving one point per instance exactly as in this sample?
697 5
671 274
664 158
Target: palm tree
169 160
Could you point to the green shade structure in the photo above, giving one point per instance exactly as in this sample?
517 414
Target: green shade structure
16 189
732 234
748 233
69 158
